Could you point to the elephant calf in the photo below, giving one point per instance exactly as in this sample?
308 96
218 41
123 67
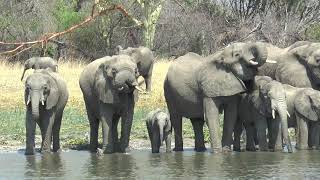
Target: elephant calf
46 95
159 129
40 63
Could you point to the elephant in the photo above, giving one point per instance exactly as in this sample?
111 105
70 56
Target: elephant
303 110
40 63
159 130
109 88
198 87
299 67
46 96
258 113
144 58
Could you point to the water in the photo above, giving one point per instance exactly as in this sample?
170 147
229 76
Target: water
144 165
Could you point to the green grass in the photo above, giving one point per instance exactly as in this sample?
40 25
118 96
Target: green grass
74 128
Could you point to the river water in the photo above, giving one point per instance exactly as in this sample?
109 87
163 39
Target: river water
143 164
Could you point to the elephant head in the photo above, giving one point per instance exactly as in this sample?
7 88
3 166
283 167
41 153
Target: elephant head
307 104
310 56
231 70
114 77
273 96
30 63
40 90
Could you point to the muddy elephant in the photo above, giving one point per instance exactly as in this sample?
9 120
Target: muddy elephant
259 113
109 88
46 96
197 87
144 58
159 130
303 110
40 63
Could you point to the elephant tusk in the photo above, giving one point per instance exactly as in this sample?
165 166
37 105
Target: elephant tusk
273 114
121 88
271 61
288 114
28 101
138 88
253 62
42 102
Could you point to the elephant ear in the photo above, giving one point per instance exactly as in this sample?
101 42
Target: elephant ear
304 106
302 52
215 80
103 86
53 97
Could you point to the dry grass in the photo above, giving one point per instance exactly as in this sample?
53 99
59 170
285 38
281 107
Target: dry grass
12 88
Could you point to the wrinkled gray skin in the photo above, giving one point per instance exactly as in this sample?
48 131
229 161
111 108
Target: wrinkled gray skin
304 109
299 67
255 112
144 59
159 130
197 87
108 87
46 95
40 63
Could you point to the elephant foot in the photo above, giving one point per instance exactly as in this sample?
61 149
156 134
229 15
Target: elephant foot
178 149
303 147
155 150
29 152
57 150
108 150
124 149
236 149
253 149
200 149
45 151
99 152
168 150
226 149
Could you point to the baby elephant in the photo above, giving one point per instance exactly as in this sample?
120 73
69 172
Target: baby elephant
40 63
159 129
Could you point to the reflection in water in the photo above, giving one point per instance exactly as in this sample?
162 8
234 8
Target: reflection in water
145 165
112 166
45 165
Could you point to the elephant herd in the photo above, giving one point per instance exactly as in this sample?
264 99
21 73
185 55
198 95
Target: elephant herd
259 87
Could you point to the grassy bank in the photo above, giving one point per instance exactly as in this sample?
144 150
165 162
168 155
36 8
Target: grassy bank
75 126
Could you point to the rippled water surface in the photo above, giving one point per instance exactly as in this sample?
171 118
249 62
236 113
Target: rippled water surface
144 165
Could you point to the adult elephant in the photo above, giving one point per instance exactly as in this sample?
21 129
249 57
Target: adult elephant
40 63
108 85
197 87
46 95
299 67
257 112
144 58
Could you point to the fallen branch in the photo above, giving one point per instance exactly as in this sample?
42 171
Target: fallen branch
22 46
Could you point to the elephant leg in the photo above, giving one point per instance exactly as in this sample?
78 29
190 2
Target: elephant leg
176 122
197 124
56 133
94 128
261 126
106 115
279 142
303 133
168 142
312 134
211 111
149 128
275 135
251 133
30 133
237 135
47 126
115 121
155 142
147 80
126 124
230 118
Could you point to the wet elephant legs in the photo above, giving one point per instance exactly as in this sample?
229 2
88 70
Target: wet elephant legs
197 124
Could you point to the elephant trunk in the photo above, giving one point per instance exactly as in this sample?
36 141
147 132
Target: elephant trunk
24 71
260 53
282 111
35 100
161 134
